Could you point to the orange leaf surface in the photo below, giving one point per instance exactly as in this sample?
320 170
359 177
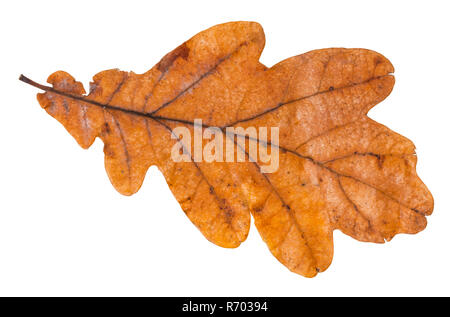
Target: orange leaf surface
338 169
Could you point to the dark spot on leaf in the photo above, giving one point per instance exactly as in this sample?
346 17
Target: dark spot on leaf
106 128
380 160
92 87
166 62
257 209
229 215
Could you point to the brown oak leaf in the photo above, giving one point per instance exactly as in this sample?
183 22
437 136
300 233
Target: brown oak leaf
338 169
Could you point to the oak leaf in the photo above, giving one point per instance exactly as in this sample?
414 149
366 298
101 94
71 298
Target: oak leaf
338 169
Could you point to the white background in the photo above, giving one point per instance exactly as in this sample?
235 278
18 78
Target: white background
64 230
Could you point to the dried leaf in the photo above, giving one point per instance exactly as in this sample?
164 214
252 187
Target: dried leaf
338 169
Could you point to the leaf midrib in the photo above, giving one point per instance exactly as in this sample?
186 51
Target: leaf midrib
157 117
152 115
